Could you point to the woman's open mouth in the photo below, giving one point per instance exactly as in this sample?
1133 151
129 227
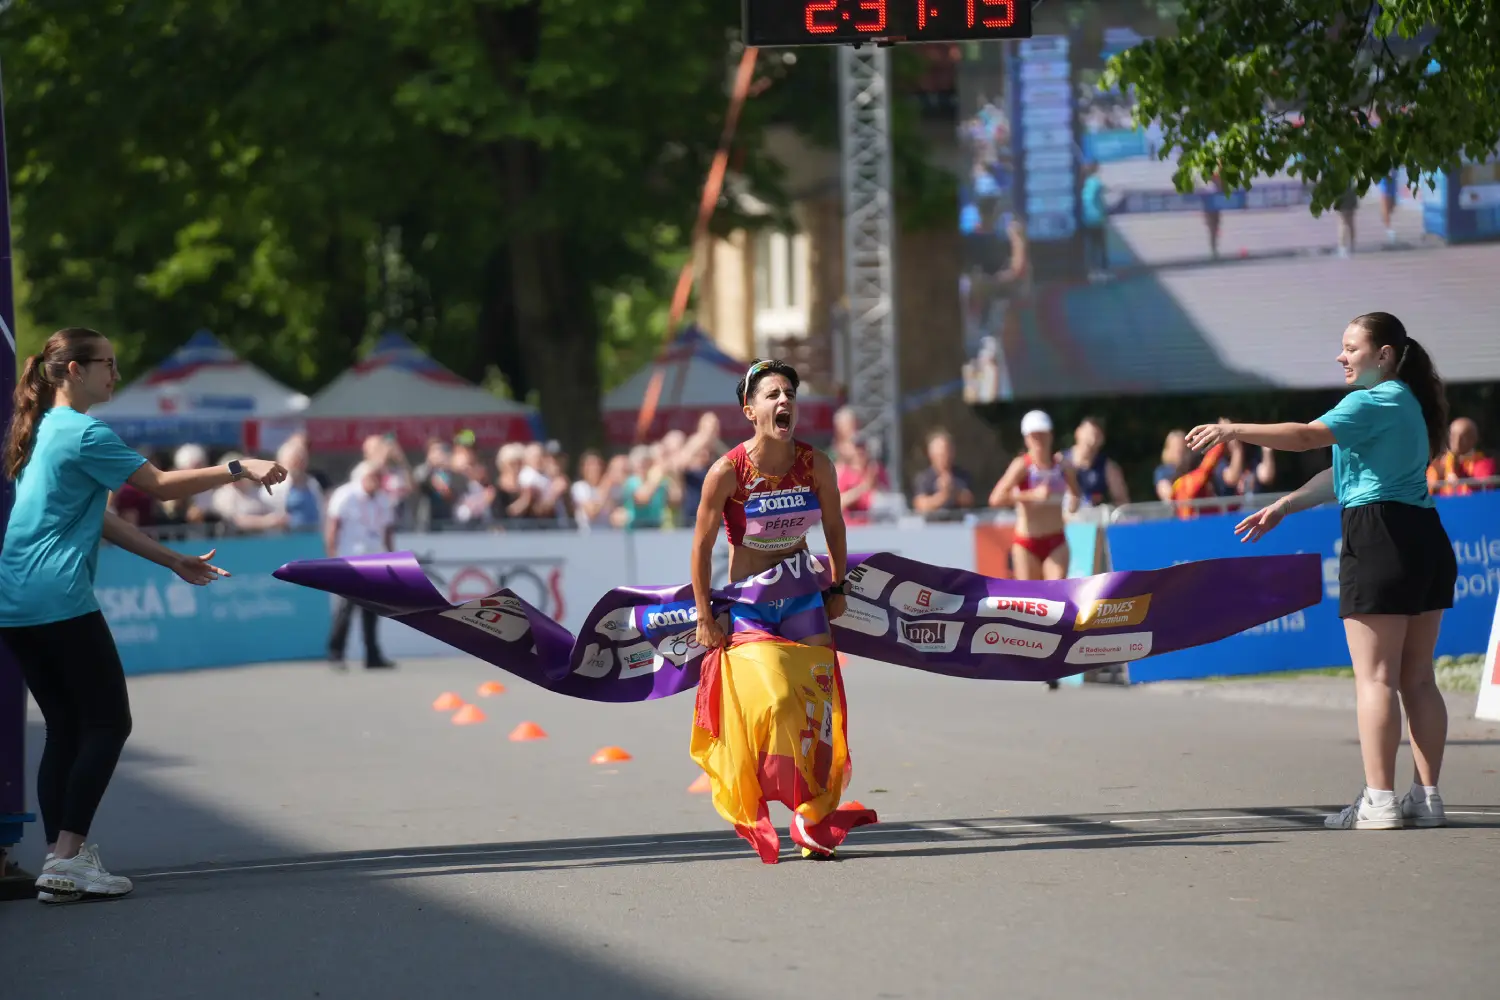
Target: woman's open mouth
783 420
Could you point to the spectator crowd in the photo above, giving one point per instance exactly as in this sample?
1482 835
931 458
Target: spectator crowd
531 486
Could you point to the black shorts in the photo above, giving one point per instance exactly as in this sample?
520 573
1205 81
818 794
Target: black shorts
1396 560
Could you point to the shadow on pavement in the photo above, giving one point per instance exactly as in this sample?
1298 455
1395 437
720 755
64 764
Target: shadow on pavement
247 939
915 839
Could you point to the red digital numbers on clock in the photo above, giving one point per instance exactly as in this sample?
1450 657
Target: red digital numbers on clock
827 26
1004 20
813 27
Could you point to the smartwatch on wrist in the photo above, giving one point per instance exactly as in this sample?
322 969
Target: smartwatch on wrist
236 469
837 588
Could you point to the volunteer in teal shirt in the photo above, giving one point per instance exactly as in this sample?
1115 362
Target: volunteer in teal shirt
1397 568
65 464
51 548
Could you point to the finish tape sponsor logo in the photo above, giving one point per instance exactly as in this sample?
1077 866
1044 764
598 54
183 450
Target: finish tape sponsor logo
929 636
597 661
862 616
1010 640
618 625
1111 648
1034 610
680 647
672 615
640 658
501 617
915 599
1117 612
794 566
867 581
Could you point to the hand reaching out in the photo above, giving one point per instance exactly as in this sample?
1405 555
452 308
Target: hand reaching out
197 570
1255 527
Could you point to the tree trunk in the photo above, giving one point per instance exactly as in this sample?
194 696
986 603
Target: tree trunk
346 310
556 329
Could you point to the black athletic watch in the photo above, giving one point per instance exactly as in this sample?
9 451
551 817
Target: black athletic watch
236 469
837 588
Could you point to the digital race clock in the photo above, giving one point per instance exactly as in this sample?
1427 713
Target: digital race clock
844 22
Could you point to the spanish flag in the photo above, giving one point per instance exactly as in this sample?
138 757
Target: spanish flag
769 726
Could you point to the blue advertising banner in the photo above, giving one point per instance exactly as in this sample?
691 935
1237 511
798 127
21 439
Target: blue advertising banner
161 623
1315 637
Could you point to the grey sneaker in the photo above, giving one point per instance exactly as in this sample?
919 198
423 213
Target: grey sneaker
1424 812
83 875
1363 815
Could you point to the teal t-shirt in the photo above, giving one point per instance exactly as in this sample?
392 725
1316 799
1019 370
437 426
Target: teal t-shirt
1380 446
51 548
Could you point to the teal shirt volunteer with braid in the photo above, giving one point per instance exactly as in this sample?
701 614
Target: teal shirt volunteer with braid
51 550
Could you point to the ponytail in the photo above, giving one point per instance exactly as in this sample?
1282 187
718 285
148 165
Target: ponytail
33 397
1414 367
36 391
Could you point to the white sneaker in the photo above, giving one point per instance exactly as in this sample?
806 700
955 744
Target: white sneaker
1428 812
83 875
1364 815
43 896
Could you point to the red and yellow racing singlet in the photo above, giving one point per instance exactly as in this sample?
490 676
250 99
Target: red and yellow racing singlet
771 513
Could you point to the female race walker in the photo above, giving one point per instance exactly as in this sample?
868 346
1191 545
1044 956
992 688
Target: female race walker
1036 484
65 464
1397 569
773 724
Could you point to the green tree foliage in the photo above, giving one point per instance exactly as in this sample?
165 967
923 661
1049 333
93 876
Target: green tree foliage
490 176
1337 92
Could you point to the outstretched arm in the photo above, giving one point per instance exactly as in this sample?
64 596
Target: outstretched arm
120 532
1281 437
1314 493
179 484
193 569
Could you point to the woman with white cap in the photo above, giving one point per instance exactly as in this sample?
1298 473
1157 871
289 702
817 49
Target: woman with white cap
1036 484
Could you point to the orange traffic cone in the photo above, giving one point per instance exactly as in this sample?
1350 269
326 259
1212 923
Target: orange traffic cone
468 716
447 702
527 731
491 687
610 755
701 785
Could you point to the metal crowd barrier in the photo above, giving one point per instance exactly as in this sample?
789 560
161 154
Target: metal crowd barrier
1160 510
890 513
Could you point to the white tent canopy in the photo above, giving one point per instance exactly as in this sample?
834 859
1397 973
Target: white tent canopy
398 389
204 393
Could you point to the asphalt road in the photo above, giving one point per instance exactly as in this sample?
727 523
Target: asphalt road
296 833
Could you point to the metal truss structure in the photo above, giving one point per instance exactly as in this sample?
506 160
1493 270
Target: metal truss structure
869 250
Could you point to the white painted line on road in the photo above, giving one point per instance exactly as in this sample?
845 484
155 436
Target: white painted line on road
894 830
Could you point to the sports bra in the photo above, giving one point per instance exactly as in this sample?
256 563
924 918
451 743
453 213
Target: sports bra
771 513
1053 477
